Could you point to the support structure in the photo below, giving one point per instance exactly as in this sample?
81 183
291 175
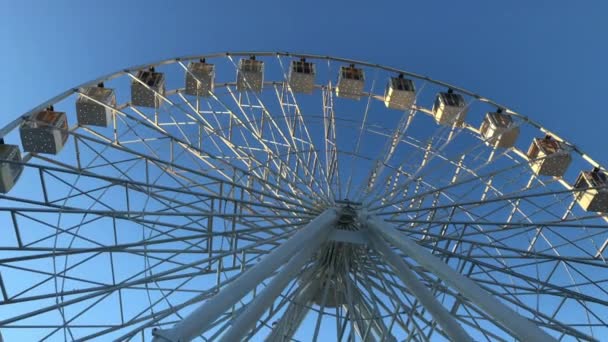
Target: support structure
290 257
217 175
247 319
201 318
369 325
518 326
291 320
407 276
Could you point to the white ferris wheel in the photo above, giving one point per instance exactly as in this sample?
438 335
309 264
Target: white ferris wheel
295 197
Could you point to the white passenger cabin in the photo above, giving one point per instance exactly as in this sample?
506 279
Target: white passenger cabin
595 198
93 106
449 108
351 81
146 94
9 170
498 129
200 78
400 93
549 157
44 132
250 75
302 76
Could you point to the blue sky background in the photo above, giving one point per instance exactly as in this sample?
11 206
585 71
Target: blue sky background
546 59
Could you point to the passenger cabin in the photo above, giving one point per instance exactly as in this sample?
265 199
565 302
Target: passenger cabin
93 106
44 132
449 108
351 81
595 197
9 170
400 93
146 94
302 76
200 78
498 129
250 75
549 157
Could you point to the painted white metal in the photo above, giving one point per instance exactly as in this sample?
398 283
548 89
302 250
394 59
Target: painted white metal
407 276
519 326
368 323
268 194
295 313
247 319
350 236
196 323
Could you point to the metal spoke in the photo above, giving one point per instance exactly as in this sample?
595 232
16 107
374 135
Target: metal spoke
250 195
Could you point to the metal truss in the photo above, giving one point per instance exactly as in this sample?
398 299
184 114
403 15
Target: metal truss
283 215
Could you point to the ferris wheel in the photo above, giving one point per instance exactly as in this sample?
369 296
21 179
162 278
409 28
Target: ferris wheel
295 197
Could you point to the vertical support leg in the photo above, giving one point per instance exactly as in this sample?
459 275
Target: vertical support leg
200 319
409 279
294 315
247 319
370 327
520 327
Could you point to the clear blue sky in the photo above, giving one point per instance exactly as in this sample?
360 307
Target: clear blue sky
546 59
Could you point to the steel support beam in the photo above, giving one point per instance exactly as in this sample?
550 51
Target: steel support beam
409 279
520 327
369 326
201 318
248 318
291 320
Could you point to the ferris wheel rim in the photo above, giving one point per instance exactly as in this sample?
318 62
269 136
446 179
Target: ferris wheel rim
4 130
